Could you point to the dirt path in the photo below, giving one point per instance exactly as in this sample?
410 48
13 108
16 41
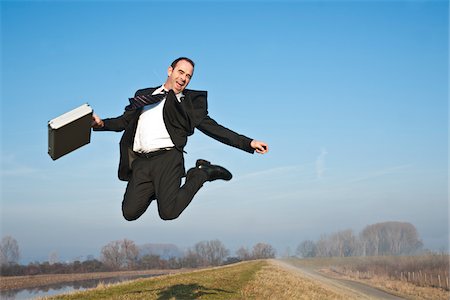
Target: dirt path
356 289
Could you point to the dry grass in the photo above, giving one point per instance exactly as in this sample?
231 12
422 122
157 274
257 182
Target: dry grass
409 290
242 281
398 287
215 283
274 282
423 270
415 277
384 272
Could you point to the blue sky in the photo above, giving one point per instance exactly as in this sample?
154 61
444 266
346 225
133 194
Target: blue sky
352 97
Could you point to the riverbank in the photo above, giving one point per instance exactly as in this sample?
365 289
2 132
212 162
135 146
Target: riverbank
23 282
263 279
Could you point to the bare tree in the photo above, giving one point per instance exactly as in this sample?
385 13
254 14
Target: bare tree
370 239
343 243
243 254
191 259
211 253
402 238
390 238
323 248
112 256
130 253
306 249
217 252
119 254
387 238
151 261
9 251
263 251
165 251
201 251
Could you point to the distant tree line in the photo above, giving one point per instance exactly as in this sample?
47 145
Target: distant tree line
38 268
126 255
387 238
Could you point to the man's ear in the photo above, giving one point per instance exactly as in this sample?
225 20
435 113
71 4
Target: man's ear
169 71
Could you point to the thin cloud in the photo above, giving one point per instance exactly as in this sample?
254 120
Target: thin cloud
381 173
320 164
273 172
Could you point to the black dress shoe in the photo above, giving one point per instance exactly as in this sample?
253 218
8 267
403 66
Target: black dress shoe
214 172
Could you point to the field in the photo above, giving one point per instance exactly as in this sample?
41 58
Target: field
248 280
292 278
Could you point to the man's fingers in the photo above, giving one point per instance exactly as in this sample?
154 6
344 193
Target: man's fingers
262 148
96 121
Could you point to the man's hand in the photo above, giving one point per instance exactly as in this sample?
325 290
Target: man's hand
259 147
97 122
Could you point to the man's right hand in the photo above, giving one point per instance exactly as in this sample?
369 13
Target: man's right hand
97 122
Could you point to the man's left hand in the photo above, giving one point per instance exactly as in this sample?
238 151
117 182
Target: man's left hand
259 146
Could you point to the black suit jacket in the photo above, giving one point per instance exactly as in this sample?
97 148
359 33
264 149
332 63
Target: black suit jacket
180 119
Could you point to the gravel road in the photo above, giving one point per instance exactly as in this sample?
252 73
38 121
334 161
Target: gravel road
353 289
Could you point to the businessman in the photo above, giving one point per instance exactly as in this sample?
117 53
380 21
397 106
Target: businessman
156 125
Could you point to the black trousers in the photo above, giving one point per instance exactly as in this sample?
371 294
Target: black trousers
159 177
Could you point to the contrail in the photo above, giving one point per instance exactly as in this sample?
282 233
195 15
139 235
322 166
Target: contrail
320 163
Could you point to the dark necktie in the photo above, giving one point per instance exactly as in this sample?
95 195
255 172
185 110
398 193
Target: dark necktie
143 100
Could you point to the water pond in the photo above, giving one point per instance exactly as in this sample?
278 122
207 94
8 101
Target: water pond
61 288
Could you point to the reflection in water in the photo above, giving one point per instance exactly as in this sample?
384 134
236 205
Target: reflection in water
60 288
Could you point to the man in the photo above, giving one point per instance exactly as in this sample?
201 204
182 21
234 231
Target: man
156 125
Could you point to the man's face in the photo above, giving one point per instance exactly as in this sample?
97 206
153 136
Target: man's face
179 76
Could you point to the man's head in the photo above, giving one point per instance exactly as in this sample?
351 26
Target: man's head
179 74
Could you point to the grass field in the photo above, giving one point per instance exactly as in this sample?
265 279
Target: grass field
248 280
268 279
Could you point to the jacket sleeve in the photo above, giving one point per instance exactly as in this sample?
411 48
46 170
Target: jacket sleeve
118 123
222 134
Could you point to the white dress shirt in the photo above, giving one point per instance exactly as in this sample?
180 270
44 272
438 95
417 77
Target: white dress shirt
151 133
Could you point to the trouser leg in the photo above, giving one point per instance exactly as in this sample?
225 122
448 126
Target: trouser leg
160 177
140 191
173 199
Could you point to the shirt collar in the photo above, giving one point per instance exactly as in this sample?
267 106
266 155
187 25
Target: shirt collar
160 90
